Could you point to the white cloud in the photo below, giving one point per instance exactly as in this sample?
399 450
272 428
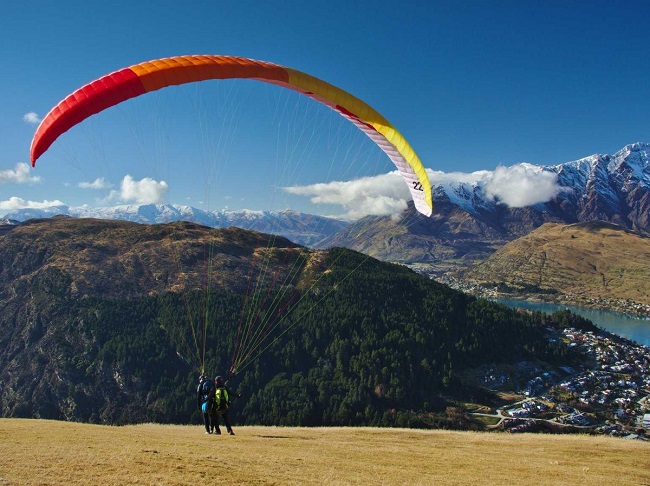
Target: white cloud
19 203
521 185
31 118
379 195
98 183
387 194
438 177
144 191
19 175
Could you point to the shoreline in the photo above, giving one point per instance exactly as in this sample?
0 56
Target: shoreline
634 310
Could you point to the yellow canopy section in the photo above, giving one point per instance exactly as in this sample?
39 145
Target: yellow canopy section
369 120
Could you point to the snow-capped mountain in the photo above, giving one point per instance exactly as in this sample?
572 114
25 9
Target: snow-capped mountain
301 228
606 187
614 188
469 223
614 179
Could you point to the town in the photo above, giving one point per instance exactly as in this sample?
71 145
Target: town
611 397
496 292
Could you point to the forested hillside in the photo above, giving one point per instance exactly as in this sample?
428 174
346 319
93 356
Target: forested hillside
362 343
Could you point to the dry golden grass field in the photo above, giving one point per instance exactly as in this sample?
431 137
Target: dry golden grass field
590 261
50 452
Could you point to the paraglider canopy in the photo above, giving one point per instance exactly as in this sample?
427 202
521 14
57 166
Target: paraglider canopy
139 79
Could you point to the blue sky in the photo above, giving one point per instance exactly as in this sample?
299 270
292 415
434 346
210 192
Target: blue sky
471 85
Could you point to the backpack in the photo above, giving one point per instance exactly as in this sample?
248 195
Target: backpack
206 389
221 400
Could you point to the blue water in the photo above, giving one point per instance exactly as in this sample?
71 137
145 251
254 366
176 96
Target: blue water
625 325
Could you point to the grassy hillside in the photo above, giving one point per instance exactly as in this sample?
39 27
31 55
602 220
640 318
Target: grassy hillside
590 260
49 452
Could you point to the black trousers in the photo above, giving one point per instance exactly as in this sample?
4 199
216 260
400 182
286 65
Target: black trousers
226 420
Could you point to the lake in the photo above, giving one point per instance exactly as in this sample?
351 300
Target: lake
626 325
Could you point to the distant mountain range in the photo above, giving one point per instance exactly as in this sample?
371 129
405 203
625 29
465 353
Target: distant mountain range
304 229
467 225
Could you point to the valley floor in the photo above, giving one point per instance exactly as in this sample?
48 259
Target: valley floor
50 452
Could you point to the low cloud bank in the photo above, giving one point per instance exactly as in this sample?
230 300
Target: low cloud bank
379 195
14 203
520 185
144 191
387 194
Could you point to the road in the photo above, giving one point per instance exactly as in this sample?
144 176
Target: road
499 414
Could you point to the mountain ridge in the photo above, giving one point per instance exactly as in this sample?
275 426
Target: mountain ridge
467 226
468 223
594 260
302 228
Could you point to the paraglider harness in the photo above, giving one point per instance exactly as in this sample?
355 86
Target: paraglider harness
221 400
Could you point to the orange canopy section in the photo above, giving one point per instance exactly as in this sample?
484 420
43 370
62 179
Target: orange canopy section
139 79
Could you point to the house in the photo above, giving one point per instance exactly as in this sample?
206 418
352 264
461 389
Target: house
646 421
